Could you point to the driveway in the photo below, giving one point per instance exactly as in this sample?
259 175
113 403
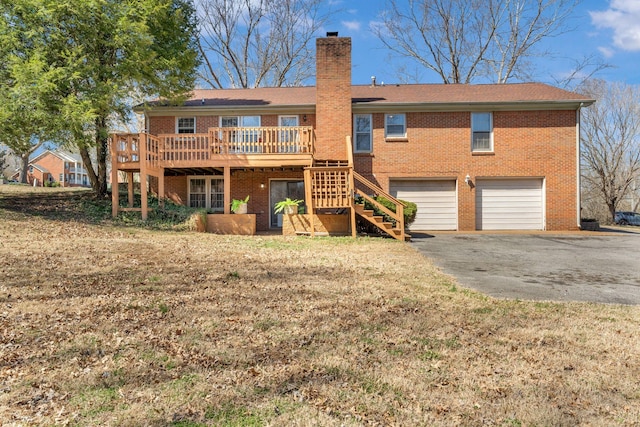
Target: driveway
598 267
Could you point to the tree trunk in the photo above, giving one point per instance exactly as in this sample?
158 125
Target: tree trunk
24 170
102 146
612 211
98 179
88 165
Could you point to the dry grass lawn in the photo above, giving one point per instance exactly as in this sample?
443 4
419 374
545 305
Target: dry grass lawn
102 324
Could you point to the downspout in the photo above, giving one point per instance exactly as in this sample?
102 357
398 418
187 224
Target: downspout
578 169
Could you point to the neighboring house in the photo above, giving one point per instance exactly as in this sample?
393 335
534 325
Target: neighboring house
472 157
56 166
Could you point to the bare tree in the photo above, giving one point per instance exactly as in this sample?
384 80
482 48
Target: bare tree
252 43
610 140
467 40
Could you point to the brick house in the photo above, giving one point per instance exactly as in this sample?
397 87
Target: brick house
56 166
472 157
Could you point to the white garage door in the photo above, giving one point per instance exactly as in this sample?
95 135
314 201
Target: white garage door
509 204
436 201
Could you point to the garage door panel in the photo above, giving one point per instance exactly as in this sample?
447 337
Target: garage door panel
436 202
509 204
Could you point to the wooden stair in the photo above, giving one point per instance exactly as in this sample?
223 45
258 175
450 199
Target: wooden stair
334 184
380 223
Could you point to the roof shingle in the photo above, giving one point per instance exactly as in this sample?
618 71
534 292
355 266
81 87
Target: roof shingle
387 94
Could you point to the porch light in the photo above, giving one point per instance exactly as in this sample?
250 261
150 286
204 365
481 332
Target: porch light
262 185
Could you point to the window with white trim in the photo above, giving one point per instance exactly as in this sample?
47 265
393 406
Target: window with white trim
482 131
207 192
186 125
395 126
362 141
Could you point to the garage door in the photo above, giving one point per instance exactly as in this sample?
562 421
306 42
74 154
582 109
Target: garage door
509 204
436 201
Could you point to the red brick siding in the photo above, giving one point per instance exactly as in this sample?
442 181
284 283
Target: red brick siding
526 144
53 164
438 145
243 183
175 188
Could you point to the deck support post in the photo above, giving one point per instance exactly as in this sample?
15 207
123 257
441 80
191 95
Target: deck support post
143 175
352 186
227 189
308 195
130 188
161 188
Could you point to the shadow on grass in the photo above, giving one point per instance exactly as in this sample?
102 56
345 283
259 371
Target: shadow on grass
82 206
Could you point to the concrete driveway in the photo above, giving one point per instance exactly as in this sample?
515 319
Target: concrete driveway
599 267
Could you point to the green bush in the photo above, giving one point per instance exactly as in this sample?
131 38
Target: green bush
410 209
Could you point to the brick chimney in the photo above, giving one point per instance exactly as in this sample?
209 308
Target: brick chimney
333 96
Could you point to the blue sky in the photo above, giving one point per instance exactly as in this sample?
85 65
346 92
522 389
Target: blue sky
608 28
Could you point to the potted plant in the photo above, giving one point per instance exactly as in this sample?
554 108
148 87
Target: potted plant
239 206
287 206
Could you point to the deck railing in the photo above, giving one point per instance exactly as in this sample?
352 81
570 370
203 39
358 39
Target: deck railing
185 147
127 147
330 187
268 140
166 149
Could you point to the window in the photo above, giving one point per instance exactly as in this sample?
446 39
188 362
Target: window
186 125
229 122
395 126
362 133
207 192
61 178
481 132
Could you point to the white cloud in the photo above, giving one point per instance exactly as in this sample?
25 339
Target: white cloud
351 25
623 17
607 52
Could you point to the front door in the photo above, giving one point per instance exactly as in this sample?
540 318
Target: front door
280 190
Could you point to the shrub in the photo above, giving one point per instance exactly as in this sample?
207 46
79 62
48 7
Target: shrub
410 209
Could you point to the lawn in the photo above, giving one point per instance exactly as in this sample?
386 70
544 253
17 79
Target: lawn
104 323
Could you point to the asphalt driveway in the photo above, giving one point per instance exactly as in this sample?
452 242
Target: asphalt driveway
596 267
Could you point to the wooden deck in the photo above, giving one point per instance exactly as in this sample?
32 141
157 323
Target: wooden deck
219 147
328 184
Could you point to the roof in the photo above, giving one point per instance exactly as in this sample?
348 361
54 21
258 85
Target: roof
40 168
380 96
63 155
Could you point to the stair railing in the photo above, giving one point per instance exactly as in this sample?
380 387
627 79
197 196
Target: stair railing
371 188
